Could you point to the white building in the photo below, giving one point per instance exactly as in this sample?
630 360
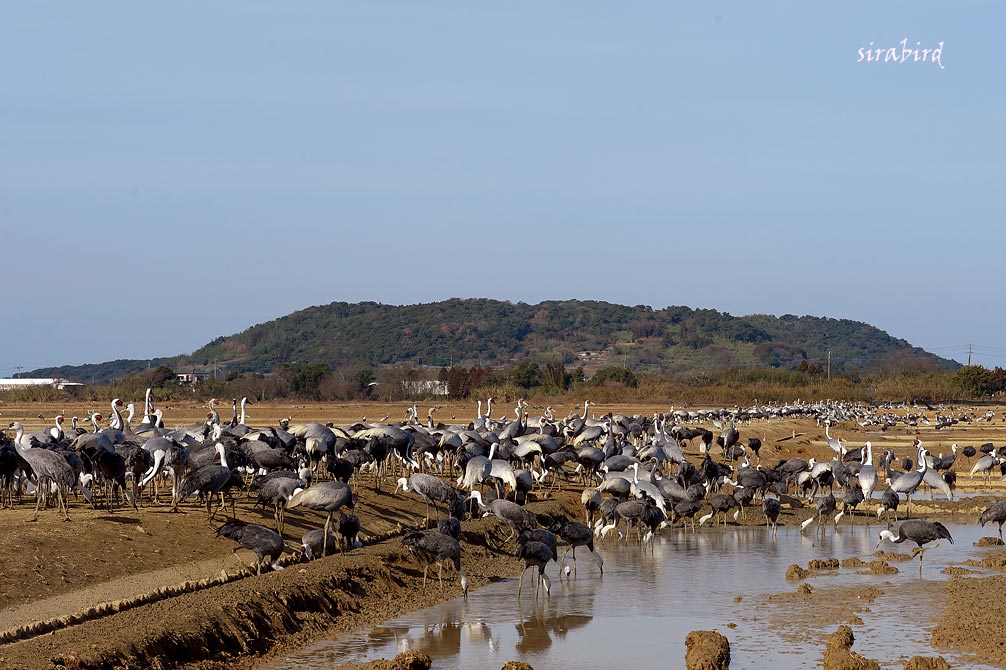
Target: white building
8 384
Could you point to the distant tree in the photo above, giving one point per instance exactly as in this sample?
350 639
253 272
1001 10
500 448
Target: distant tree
974 380
617 375
526 375
303 380
554 377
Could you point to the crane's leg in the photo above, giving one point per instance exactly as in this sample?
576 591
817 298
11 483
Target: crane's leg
440 576
574 561
520 582
324 543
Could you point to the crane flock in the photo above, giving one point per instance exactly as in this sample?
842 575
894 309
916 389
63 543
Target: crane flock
633 469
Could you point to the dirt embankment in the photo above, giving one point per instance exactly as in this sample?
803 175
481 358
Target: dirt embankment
230 624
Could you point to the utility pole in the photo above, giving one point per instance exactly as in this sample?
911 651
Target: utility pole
829 364
969 355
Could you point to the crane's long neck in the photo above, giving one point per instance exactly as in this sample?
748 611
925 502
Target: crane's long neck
223 455
115 422
234 412
215 416
148 406
130 413
478 414
244 401
489 408
586 404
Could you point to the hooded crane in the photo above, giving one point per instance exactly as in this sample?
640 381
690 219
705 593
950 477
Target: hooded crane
515 516
824 507
265 542
325 497
431 488
770 507
535 554
996 513
50 467
576 534
431 547
920 532
209 480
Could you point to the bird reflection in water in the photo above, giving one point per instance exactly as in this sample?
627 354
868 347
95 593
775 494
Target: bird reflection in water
442 638
536 632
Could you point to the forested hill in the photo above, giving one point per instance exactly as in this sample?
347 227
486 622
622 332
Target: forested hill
492 332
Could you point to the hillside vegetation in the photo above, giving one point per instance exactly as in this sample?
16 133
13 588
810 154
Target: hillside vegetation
484 333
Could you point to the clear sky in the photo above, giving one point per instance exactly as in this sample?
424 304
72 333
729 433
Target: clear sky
172 172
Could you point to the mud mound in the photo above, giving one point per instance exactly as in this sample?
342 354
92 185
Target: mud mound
823 564
516 665
926 663
796 572
957 571
707 650
854 562
892 556
838 655
995 561
805 589
407 660
987 542
879 568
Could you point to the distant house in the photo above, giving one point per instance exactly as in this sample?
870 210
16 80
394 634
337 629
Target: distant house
192 376
7 384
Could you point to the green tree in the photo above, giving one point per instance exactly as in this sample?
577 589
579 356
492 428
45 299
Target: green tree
974 380
303 379
554 378
526 375
618 375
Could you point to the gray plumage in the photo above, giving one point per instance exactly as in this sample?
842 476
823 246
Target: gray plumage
515 516
431 547
996 513
432 489
325 497
265 542
535 554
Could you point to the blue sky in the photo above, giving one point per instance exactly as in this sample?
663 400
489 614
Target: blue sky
171 173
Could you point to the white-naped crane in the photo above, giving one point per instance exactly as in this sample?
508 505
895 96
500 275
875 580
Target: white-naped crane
908 482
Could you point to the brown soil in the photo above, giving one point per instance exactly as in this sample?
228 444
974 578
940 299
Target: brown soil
838 655
150 588
973 618
707 650
989 542
927 663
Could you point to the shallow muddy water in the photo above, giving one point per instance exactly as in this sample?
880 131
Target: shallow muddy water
638 614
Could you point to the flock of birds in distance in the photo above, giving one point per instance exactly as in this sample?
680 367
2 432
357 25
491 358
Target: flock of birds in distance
633 471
